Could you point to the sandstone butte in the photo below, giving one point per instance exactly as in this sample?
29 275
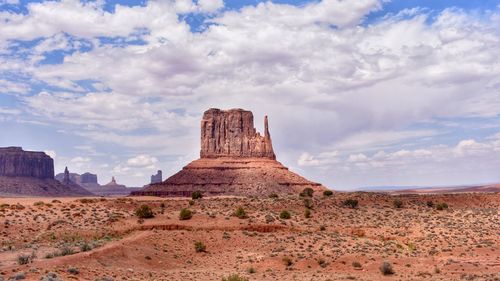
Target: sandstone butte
31 173
235 159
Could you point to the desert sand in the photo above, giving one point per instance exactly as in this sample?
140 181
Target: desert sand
103 239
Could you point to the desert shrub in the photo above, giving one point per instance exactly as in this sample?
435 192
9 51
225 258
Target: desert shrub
162 208
38 203
240 213
273 195
285 215
87 200
322 263
397 203
185 214
307 192
308 203
23 259
327 193
196 195
144 212
430 204
73 270
352 203
65 251
85 247
251 270
17 207
322 228
441 206
307 213
356 264
234 277
386 268
191 202
19 276
55 201
287 261
199 247
51 276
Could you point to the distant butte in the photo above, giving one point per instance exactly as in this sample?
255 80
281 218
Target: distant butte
31 173
235 159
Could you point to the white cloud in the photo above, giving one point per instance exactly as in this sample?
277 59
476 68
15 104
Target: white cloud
9 87
80 159
51 153
345 90
9 111
210 6
142 160
471 147
307 159
466 162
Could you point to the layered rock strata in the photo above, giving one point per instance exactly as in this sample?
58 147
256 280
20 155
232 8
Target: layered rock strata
30 173
234 160
231 133
15 162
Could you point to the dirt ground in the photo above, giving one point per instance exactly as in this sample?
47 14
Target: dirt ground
103 239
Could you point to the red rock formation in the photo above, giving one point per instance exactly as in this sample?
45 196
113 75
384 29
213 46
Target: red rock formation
30 173
231 133
235 160
15 162
231 176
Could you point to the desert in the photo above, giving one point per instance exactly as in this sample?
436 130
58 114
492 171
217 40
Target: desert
239 214
103 239
249 140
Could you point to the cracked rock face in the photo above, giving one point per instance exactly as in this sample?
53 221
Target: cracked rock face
231 133
15 162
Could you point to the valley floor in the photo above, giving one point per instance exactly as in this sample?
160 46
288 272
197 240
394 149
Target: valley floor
102 239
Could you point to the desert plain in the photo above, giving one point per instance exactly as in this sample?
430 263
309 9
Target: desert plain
92 238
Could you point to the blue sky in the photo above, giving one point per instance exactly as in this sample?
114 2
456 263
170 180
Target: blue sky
359 93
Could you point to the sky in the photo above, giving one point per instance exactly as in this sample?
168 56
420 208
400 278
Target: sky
358 93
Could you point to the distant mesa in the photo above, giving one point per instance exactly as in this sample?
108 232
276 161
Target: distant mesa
157 178
89 182
235 159
88 178
31 173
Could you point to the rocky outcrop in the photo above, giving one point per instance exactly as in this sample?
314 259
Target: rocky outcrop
235 160
15 162
89 182
29 173
232 176
157 178
88 178
66 179
114 189
231 133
